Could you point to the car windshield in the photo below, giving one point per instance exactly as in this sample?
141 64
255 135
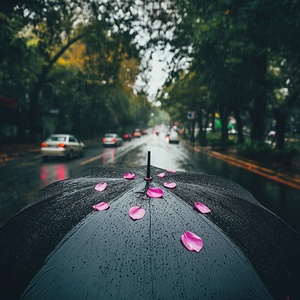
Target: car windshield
110 135
55 138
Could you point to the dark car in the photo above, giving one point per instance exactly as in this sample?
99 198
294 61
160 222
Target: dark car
127 136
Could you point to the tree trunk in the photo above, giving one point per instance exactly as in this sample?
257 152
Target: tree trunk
258 112
280 118
239 125
224 120
200 137
34 114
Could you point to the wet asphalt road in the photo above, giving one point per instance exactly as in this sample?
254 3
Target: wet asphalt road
22 178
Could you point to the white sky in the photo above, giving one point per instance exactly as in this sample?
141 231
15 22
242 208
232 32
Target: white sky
158 74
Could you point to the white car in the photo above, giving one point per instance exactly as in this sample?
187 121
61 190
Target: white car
112 139
173 137
62 145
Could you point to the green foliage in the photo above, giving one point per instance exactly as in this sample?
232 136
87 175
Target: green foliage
233 44
257 150
86 85
260 151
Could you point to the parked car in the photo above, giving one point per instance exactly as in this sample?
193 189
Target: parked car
127 136
62 145
137 133
112 139
173 137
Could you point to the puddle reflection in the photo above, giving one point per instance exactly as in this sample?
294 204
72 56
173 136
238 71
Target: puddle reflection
51 173
108 156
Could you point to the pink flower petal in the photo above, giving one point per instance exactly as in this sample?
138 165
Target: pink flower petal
171 171
192 241
155 192
161 175
136 213
170 185
201 207
101 206
100 186
129 175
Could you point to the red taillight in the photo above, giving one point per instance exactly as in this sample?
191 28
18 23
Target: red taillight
104 140
43 144
113 139
61 145
126 136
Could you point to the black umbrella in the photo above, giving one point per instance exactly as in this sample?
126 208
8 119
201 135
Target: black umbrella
111 233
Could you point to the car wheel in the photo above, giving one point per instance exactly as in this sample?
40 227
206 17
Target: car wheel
71 155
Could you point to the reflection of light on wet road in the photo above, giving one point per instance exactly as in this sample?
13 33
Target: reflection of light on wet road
108 156
51 173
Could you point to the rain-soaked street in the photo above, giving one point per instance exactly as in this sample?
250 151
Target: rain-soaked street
21 179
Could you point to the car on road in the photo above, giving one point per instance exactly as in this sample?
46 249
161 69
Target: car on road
62 145
173 137
112 139
127 137
137 133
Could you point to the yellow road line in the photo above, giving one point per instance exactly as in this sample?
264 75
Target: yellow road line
268 173
90 160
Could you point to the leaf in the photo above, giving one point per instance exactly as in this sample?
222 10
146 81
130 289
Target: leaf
192 241
201 207
136 212
170 185
155 192
101 186
161 175
171 171
101 206
129 175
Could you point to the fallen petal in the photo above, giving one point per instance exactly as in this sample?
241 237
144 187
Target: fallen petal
161 175
101 186
171 171
170 185
101 206
192 241
155 193
201 207
129 175
136 213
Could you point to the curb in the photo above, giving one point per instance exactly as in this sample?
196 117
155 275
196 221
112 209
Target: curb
291 181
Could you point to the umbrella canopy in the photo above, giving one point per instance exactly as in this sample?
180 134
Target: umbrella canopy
112 234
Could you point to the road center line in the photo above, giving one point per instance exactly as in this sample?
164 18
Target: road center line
91 160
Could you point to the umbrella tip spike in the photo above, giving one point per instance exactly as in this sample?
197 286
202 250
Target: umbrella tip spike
148 176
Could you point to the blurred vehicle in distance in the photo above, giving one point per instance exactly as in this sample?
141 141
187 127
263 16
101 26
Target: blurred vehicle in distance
137 133
173 137
144 132
62 145
127 136
112 139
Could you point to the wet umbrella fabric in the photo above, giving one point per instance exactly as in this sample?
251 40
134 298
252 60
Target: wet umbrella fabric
59 247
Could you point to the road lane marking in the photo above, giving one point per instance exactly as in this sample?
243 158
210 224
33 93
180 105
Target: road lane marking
268 173
91 159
